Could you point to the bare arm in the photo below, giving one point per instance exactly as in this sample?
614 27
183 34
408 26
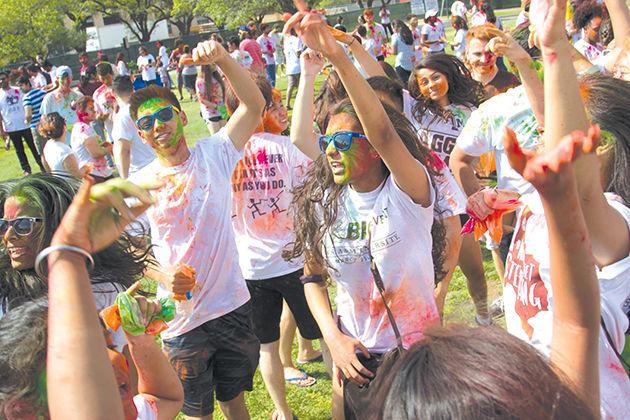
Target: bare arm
462 166
70 164
247 116
369 65
576 312
157 380
302 134
94 148
122 156
620 19
28 114
564 113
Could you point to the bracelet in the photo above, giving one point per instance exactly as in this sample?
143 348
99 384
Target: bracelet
47 251
316 278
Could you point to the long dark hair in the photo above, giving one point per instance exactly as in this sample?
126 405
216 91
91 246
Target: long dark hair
405 32
316 202
607 101
51 196
458 372
462 88
207 73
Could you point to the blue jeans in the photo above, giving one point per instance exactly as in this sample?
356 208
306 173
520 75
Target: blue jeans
271 74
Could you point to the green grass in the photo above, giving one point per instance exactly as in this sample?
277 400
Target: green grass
313 402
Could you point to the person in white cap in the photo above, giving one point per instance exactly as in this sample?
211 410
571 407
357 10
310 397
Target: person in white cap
60 100
432 33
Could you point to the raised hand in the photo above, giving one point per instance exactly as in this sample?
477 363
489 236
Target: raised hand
312 28
503 44
311 62
206 52
551 172
98 214
548 19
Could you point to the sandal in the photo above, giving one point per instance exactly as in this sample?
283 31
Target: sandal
303 381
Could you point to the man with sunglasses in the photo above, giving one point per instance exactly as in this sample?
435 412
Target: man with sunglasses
212 348
13 125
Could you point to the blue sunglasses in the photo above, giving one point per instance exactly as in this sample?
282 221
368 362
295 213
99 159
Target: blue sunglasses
165 114
341 140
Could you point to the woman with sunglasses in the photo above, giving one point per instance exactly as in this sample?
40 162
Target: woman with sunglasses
32 208
367 197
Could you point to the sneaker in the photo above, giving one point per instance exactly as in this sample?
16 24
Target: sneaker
496 307
483 322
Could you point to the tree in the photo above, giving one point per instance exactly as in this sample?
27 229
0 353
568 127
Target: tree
134 14
31 27
236 13
178 12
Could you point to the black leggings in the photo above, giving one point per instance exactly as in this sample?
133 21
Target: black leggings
26 135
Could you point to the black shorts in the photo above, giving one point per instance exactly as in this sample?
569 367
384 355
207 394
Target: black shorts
221 354
266 301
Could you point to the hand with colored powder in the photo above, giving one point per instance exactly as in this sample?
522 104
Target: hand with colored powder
138 315
486 208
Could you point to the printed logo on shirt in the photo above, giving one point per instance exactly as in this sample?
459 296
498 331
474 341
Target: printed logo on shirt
522 273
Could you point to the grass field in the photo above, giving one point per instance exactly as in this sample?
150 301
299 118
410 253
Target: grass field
313 402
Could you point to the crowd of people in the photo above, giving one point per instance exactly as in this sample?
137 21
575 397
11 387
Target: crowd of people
382 182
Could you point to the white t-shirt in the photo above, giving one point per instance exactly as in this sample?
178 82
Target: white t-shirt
148 73
460 38
370 46
261 186
267 46
122 68
105 296
38 81
484 131
242 57
55 152
528 300
378 34
292 48
434 33
479 18
417 41
401 247
385 17
62 104
147 409
450 197
164 56
81 132
589 51
191 224
12 110
105 102
458 8
123 127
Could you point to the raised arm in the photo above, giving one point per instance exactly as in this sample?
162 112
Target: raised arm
157 381
302 134
504 45
620 19
564 113
576 313
247 116
408 173
79 373
370 66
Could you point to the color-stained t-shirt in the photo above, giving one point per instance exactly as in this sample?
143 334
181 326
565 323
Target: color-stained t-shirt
528 300
261 185
401 246
191 224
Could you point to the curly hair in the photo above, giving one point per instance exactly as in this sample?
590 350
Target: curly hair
316 202
585 12
462 88
51 126
50 196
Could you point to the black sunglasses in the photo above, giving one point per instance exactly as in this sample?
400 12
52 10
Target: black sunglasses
22 225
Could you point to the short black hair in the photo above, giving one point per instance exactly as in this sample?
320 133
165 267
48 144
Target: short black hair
390 86
585 12
23 80
234 40
152 92
122 85
104 69
33 67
